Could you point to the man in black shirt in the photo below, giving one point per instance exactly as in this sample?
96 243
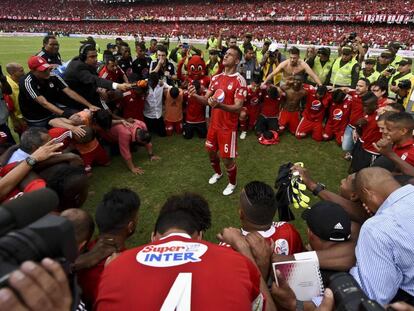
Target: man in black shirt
82 77
141 65
163 67
44 96
50 50
125 60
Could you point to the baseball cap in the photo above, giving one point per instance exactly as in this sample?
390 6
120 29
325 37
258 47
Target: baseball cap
328 221
37 63
214 51
386 54
370 61
88 40
346 50
324 51
395 45
405 61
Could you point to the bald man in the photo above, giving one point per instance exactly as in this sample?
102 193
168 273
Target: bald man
82 224
14 73
385 247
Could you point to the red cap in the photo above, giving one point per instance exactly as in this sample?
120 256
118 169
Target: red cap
38 63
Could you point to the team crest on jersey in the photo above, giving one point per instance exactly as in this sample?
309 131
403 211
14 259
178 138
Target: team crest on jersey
230 86
51 85
404 156
281 247
170 254
337 114
316 105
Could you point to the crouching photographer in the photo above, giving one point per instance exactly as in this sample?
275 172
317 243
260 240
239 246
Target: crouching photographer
29 238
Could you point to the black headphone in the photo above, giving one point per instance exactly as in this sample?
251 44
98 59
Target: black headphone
84 49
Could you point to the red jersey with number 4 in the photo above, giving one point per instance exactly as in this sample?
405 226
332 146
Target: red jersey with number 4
287 239
234 88
195 111
180 272
315 108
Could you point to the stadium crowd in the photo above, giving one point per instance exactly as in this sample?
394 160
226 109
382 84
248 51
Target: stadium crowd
71 115
220 9
297 33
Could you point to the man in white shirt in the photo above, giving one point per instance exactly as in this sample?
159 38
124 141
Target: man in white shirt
153 105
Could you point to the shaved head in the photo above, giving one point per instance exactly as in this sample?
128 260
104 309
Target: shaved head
374 185
82 223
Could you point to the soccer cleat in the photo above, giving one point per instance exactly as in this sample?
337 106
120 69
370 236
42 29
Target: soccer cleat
229 189
213 179
243 135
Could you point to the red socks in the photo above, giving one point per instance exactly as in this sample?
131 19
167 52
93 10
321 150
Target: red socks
215 164
232 174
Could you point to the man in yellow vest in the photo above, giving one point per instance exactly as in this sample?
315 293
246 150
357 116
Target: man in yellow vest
213 63
369 71
344 71
409 100
384 62
14 73
394 47
261 54
403 73
247 41
212 42
320 63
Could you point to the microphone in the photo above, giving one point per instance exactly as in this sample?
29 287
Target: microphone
24 210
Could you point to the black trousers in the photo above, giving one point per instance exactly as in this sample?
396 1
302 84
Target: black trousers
156 126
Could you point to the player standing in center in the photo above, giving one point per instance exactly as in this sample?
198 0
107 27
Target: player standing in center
226 95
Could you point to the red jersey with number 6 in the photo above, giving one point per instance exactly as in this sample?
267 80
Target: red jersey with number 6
180 273
234 88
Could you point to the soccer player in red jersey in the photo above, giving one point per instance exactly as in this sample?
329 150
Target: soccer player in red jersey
364 152
317 101
111 71
180 271
268 118
338 116
356 114
397 143
251 109
229 89
257 210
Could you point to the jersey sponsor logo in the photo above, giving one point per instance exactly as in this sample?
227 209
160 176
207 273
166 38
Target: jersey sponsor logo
316 105
337 114
219 95
171 254
282 247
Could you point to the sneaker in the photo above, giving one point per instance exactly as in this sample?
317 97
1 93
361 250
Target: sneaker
213 179
243 135
229 189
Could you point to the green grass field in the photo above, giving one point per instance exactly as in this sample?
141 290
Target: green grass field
185 167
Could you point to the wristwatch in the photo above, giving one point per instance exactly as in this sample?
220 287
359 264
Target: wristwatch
319 188
31 161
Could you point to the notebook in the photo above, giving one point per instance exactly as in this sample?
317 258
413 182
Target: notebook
303 276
